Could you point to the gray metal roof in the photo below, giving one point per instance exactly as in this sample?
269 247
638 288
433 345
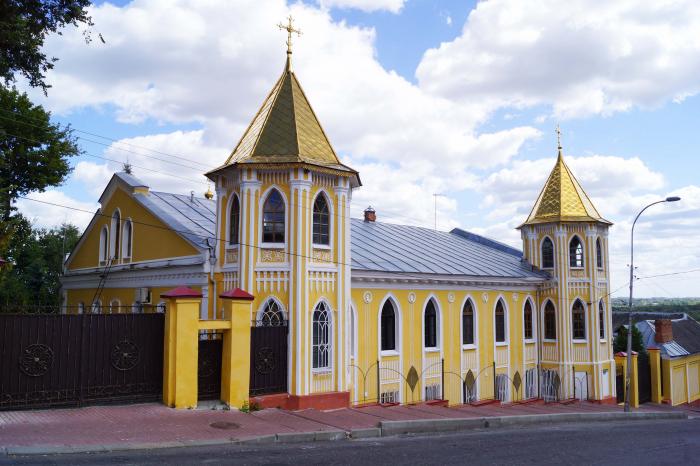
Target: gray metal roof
195 219
686 337
387 247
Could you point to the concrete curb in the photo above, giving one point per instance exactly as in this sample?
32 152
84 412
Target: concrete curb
385 429
416 426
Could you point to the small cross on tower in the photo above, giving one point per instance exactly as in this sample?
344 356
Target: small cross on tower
289 27
558 137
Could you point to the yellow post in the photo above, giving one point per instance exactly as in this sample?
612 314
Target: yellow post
235 369
621 361
655 363
181 342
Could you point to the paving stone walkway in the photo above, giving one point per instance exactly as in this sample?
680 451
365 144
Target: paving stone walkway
156 424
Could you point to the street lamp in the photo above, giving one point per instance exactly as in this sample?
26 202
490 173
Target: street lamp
628 378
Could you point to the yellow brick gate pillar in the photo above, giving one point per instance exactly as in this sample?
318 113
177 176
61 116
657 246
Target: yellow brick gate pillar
621 361
235 370
181 342
655 363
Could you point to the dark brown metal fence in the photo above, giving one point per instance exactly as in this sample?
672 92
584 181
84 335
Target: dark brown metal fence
72 360
268 365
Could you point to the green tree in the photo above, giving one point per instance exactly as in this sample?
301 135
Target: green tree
24 25
33 151
37 257
620 342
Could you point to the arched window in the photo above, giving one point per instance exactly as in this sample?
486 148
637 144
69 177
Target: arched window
234 217
97 307
578 320
115 234
388 323
321 226
500 322
104 246
601 319
271 315
321 334
550 321
575 252
468 323
127 238
547 254
352 332
527 320
273 218
81 307
430 325
598 254
114 306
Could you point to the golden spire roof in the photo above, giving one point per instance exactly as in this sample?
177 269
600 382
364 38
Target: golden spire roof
562 198
286 130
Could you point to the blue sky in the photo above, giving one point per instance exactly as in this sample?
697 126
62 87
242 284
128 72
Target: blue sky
450 97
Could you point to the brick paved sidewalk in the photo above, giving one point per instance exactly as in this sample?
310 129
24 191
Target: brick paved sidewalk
156 424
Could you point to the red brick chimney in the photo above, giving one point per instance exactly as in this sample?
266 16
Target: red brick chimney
370 214
664 331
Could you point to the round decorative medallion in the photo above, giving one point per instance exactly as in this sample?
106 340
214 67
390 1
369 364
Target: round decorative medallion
367 297
411 297
125 355
515 297
265 361
450 297
35 360
485 297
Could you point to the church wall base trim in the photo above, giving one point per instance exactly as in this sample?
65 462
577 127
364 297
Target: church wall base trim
319 401
611 400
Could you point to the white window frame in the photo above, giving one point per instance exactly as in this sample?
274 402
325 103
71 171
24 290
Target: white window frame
328 344
438 326
127 246
469 346
331 236
104 245
397 326
534 320
506 326
585 321
261 222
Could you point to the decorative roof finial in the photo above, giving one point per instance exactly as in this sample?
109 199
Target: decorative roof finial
559 140
289 27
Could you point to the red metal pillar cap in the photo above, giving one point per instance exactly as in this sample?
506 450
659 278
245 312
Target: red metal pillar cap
182 292
237 293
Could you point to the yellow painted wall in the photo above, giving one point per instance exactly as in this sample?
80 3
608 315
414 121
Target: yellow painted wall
149 242
681 379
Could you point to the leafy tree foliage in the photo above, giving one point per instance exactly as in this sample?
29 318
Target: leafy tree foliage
24 25
37 256
33 151
620 343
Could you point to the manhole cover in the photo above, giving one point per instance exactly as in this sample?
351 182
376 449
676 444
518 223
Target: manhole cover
224 425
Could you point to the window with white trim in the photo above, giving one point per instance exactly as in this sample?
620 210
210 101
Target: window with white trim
321 221
430 325
321 337
468 323
550 321
273 218
576 253
234 218
547 254
601 319
104 245
527 320
578 320
127 238
272 315
388 327
115 234
500 322
598 253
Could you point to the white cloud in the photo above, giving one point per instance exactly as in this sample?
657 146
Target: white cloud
393 6
580 58
47 212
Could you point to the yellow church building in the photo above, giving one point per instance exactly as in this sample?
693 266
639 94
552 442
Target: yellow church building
370 312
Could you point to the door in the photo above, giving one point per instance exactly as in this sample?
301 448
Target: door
268 359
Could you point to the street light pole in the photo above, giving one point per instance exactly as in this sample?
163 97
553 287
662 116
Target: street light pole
628 377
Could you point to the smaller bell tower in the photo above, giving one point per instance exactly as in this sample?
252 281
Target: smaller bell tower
566 236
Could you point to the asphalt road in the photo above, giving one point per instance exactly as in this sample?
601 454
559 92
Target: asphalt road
674 442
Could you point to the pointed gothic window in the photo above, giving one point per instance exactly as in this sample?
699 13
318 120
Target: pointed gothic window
273 218
115 230
527 320
234 216
104 245
598 254
500 322
321 337
430 325
547 254
550 321
601 319
578 320
321 227
388 322
127 238
576 252
468 323
272 315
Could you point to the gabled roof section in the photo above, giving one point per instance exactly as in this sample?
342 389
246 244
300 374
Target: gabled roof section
562 199
285 130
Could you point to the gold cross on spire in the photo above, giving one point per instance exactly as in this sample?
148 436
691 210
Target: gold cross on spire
289 27
558 136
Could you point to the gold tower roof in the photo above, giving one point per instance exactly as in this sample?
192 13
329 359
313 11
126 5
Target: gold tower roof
286 131
562 199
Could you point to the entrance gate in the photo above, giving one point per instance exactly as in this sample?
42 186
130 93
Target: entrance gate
644 377
209 366
268 358
73 360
